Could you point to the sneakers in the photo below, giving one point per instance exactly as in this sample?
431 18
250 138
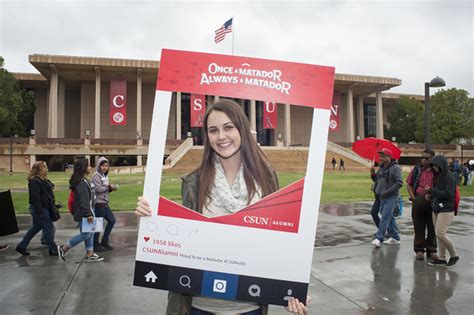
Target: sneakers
4 247
438 263
94 257
376 242
432 256
392 241
106 245
53 253
420 256
61 253
453 260
22 251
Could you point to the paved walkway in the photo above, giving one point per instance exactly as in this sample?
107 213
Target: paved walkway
348 276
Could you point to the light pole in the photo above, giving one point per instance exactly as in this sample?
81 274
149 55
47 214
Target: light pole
11 151
436 82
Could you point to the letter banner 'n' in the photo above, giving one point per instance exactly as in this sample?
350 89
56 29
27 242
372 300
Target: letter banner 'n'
270 115
118 102
335 107
198 110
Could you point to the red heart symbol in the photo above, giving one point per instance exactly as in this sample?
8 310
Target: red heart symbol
146 238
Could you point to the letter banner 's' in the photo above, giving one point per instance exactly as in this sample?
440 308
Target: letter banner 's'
118 102
335 108
262 253
270 115
198 110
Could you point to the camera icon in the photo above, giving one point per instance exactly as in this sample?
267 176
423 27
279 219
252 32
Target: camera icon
220 286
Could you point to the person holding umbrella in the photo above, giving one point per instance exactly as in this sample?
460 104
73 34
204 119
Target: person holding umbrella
388 181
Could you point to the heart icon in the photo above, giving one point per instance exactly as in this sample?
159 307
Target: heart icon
146 238
151 226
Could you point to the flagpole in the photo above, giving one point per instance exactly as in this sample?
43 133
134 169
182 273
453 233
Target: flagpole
233 33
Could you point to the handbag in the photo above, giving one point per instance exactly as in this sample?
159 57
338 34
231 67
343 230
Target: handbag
54 212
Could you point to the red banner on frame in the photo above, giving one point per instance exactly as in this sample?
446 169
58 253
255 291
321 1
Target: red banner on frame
335 107
246 78
118 102
270 115
198 110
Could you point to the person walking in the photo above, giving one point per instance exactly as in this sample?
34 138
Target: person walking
102 189
82 208
333 162
41 201
441 196
341 165
465 173
418 182
388 181
234 173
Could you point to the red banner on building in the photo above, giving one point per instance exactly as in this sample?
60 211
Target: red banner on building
246 78
198 110
270 115
335 107
118 102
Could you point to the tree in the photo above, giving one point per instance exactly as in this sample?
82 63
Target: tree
16 105
405 122
452 116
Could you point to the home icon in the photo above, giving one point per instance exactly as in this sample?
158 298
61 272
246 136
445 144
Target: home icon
150 277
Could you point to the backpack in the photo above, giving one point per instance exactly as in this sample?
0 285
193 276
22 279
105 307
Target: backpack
457 199
70 202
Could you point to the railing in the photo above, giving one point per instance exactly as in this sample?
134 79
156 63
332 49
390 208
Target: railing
347 153
177 154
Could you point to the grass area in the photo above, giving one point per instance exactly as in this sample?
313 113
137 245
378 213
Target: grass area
337 187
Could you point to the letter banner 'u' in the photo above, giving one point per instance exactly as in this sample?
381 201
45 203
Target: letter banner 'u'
198 110
118 102
270 115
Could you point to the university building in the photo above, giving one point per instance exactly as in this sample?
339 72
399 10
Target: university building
72 98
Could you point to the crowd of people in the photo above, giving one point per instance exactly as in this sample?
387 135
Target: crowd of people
90 200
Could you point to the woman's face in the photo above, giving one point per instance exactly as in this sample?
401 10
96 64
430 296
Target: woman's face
224 138
436 168
104 167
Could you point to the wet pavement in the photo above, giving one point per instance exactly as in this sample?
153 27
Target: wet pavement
348 275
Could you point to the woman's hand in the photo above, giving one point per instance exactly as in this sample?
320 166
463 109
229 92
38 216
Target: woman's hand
143 208
296 307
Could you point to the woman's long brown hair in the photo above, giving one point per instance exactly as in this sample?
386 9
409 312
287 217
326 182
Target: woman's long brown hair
38 170
255 164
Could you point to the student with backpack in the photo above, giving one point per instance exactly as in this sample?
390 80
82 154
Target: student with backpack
102 189
442 197
82 196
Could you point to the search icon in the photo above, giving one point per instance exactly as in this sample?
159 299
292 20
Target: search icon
185 281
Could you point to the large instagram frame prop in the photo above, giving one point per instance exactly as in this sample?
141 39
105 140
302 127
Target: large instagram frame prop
262 253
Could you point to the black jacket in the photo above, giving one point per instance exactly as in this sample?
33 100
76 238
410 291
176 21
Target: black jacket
444 186
40 194
83 196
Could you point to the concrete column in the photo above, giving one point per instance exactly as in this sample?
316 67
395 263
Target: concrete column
97 103
360 117
53 104
139 160
379 114
61 108
139 106
178 115
253 115
32 144
216 98
287 125
350 116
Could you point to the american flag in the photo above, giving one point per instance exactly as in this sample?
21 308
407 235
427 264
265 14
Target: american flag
224 29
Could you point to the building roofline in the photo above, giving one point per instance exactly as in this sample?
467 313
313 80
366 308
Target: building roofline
28 76
93 61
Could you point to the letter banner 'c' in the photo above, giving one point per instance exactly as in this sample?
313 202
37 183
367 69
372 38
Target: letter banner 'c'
335 107
118 102
198 110
270 115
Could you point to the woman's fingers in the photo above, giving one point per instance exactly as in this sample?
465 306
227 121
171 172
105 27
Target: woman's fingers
296 307
143 208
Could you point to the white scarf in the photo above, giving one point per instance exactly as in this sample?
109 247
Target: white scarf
233 197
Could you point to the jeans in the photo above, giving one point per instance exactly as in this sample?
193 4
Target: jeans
195 311
388 221
375 211
44 223
108 215
87 237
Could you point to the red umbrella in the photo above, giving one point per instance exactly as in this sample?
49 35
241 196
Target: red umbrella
368 148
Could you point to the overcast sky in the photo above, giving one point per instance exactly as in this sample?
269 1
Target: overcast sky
410 40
